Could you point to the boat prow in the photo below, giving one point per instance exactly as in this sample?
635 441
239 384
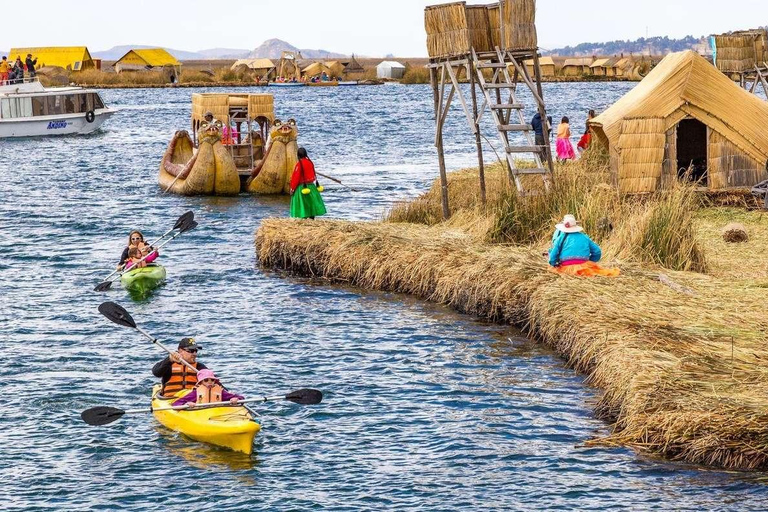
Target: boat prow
143 279
228 427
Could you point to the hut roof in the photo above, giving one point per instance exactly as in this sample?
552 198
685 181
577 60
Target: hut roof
254 63
316 68
153 57
685 84
543 61
73 58
353 66
599 63
609 63
623 63
580 61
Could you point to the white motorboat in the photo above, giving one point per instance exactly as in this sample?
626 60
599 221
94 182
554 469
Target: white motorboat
30 110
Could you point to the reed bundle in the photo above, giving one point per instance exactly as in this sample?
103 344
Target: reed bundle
678 355
494 24
261 105
217 104
735 53
641 153
519 18
447 30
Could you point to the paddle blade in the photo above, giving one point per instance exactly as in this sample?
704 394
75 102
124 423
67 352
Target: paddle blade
185 218
101 415
187 226
117 314
305 396
103 286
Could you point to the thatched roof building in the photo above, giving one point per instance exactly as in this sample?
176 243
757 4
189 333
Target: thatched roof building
598 66
353 66
577 66
144 59
685 113
264 68
547 65
72 58
740 51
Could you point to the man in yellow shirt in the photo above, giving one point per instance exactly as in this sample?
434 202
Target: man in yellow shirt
4 70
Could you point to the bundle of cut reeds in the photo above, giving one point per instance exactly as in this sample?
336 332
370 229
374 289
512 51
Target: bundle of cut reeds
735 53
217 104
519 17
447 30
479 28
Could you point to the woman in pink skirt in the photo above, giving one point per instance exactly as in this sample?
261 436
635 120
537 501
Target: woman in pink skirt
564 146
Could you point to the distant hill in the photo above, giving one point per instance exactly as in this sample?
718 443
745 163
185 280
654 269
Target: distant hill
642 46
224 53
116 52
273 48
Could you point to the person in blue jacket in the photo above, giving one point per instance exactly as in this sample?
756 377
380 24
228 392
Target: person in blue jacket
573 252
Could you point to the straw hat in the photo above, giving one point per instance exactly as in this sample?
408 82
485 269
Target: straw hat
569 225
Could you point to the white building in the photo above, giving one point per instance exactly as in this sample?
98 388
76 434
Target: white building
390 69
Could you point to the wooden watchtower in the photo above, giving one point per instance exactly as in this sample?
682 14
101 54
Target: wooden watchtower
490 43
743 55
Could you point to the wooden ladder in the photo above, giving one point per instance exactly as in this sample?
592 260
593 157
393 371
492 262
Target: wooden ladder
502 108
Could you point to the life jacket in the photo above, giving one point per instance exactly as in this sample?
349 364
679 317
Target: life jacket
181 378
206 395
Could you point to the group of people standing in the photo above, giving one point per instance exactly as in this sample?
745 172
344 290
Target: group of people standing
563 146
13 72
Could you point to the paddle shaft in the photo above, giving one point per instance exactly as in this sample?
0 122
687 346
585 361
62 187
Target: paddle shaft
145 257
154 340
334 179
174 181
206 406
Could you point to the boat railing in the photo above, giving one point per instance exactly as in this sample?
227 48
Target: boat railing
19 81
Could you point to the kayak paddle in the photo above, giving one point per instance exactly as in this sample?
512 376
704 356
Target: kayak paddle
117 313
183 225
103 415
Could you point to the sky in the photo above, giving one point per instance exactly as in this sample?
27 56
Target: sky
368 28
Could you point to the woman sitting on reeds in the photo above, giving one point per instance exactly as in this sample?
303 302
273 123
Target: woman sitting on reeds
564 146
306 202
574 253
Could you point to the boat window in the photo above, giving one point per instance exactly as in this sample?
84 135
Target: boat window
97 103
16 107
70 106
37 106
55 105
83 100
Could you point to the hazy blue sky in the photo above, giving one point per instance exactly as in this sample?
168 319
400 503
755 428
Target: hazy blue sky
372 28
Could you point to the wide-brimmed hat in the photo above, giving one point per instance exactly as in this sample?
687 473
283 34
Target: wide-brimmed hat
569 225
206 374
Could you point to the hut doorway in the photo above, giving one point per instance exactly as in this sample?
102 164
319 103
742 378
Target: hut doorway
692 150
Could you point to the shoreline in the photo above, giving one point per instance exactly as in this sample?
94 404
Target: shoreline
677 355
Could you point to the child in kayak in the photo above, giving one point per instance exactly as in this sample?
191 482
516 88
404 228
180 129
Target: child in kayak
135 256
207 390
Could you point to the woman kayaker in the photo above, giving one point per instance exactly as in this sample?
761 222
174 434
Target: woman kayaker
207 390
175 375
306 202
136 239
574 253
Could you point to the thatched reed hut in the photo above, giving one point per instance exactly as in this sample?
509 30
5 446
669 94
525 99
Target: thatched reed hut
316 69
623 67
740 51
685 115
454 28
547 64
71 58
353 66
264 68
147 59
598 67
577 66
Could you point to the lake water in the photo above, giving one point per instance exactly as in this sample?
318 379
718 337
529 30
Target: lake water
424 408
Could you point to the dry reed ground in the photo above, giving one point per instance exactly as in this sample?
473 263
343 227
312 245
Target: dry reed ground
680 356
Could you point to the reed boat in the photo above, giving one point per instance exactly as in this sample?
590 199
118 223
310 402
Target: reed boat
28 109
327 83
218 157
286 84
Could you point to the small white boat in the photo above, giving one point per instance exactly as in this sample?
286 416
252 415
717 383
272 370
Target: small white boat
348 82
287 84
30 110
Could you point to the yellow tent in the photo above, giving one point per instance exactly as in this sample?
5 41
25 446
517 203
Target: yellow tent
685 113
73 58
147 58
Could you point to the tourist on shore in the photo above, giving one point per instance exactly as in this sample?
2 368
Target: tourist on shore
4 69
30 62
564 145
208 390
574 253
306 202
538 128
175 375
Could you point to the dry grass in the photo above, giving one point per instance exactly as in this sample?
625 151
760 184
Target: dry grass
661 353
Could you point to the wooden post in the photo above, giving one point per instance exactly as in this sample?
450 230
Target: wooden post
543 113
439 118
478 144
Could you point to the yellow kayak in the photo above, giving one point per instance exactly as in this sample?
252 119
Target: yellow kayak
229 427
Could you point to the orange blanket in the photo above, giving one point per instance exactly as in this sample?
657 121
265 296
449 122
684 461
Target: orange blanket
586 269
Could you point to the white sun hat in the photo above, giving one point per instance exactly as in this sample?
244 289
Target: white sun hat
569 225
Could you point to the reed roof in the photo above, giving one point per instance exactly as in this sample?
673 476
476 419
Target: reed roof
543 61
254 63
685 84
74 58
599 63
579 61
152 57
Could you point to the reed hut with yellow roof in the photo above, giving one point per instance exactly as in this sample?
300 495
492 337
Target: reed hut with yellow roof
685 115
72 58
147 59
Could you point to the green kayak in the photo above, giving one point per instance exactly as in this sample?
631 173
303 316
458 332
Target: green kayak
143 279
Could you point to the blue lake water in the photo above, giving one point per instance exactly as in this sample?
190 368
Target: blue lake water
424 408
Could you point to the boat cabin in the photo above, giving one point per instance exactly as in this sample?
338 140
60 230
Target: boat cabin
246 120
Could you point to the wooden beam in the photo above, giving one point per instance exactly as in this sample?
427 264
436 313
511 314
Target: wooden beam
543 113
439 118
470 117
478 142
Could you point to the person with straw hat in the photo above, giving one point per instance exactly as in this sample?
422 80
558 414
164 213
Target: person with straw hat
574 253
